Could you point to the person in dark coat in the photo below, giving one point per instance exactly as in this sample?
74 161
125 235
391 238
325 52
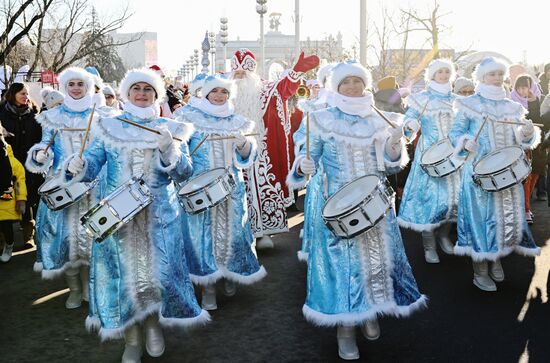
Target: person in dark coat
18 113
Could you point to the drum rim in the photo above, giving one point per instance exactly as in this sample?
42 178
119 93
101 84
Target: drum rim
212 182
345 211
445 140
493 153
53 177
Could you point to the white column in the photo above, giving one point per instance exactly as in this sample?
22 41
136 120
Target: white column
296 29
363 32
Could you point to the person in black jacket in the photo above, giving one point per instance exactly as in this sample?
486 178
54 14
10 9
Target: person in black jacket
18 115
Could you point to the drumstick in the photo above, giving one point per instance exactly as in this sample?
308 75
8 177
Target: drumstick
383 116
51 141
477 134
87 132
155 131
518 123
71 129
228 137
307 136
198 145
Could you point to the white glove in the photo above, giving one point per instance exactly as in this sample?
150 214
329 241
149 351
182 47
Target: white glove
412 126
527 129
164 140
76 165
240 140
41 157
471 146
307 166
395 134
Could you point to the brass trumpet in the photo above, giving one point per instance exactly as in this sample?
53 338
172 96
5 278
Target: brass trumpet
303 91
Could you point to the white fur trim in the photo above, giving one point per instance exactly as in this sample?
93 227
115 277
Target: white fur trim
493 256
200 320
241 279
65 169
302 256
249 161
92 323
167 161
206 279
146 75
530 143
37 267
460 144
419 227
402 161
391 309
349 69
323 74
216 81
32 165
118 333
487 65
438 64
76 73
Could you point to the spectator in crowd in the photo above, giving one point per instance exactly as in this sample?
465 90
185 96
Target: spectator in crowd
111 99
51 98
464 87
544 79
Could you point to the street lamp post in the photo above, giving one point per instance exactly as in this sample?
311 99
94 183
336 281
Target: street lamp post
261 8
212 39
205 48
224 39
196 61
363 32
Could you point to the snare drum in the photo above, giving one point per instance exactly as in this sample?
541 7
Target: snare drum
206 190
358 206
439 160
57 196
501 169
117 209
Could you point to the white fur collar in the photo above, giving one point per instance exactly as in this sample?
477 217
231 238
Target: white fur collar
476 106
224 110
216 125
491 92
80 105
144 113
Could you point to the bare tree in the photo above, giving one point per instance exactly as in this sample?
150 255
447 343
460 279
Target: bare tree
430 23
383 32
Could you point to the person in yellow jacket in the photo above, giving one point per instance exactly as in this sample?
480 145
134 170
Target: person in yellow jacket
11 210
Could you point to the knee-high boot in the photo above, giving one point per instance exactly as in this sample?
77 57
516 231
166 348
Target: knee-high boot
442 235
85 280
133 348
154 338
430 252
496 271
347 345
75 295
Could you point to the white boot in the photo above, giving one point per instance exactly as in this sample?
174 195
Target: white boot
430 252
209 297
263 243
371 329
347 346
7 252
496 272
481 276
154 338
229 288
133 347
442 235
75 295
84 279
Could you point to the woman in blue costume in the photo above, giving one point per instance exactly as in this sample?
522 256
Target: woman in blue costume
139 273
220 239
315 196
352 281
429 204
62 243
490 224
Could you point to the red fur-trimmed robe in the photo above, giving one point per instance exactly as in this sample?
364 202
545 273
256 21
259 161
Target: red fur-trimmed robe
268 195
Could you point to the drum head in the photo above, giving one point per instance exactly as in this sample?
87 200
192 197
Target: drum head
498 160
437 152
350 195
50 184
202 180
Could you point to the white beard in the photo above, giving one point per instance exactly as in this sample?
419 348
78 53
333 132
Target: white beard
247 102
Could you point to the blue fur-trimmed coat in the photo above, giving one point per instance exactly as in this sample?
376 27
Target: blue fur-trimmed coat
427 201
353 280
61 241
219 240
490 224
141 268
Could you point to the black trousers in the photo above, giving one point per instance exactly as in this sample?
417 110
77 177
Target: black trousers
6 228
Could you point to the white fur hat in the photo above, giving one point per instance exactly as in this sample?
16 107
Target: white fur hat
323 73
197 83
51 97
108 90
217 81
75 73
438 64
487 65
145 75
349 69
462 82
